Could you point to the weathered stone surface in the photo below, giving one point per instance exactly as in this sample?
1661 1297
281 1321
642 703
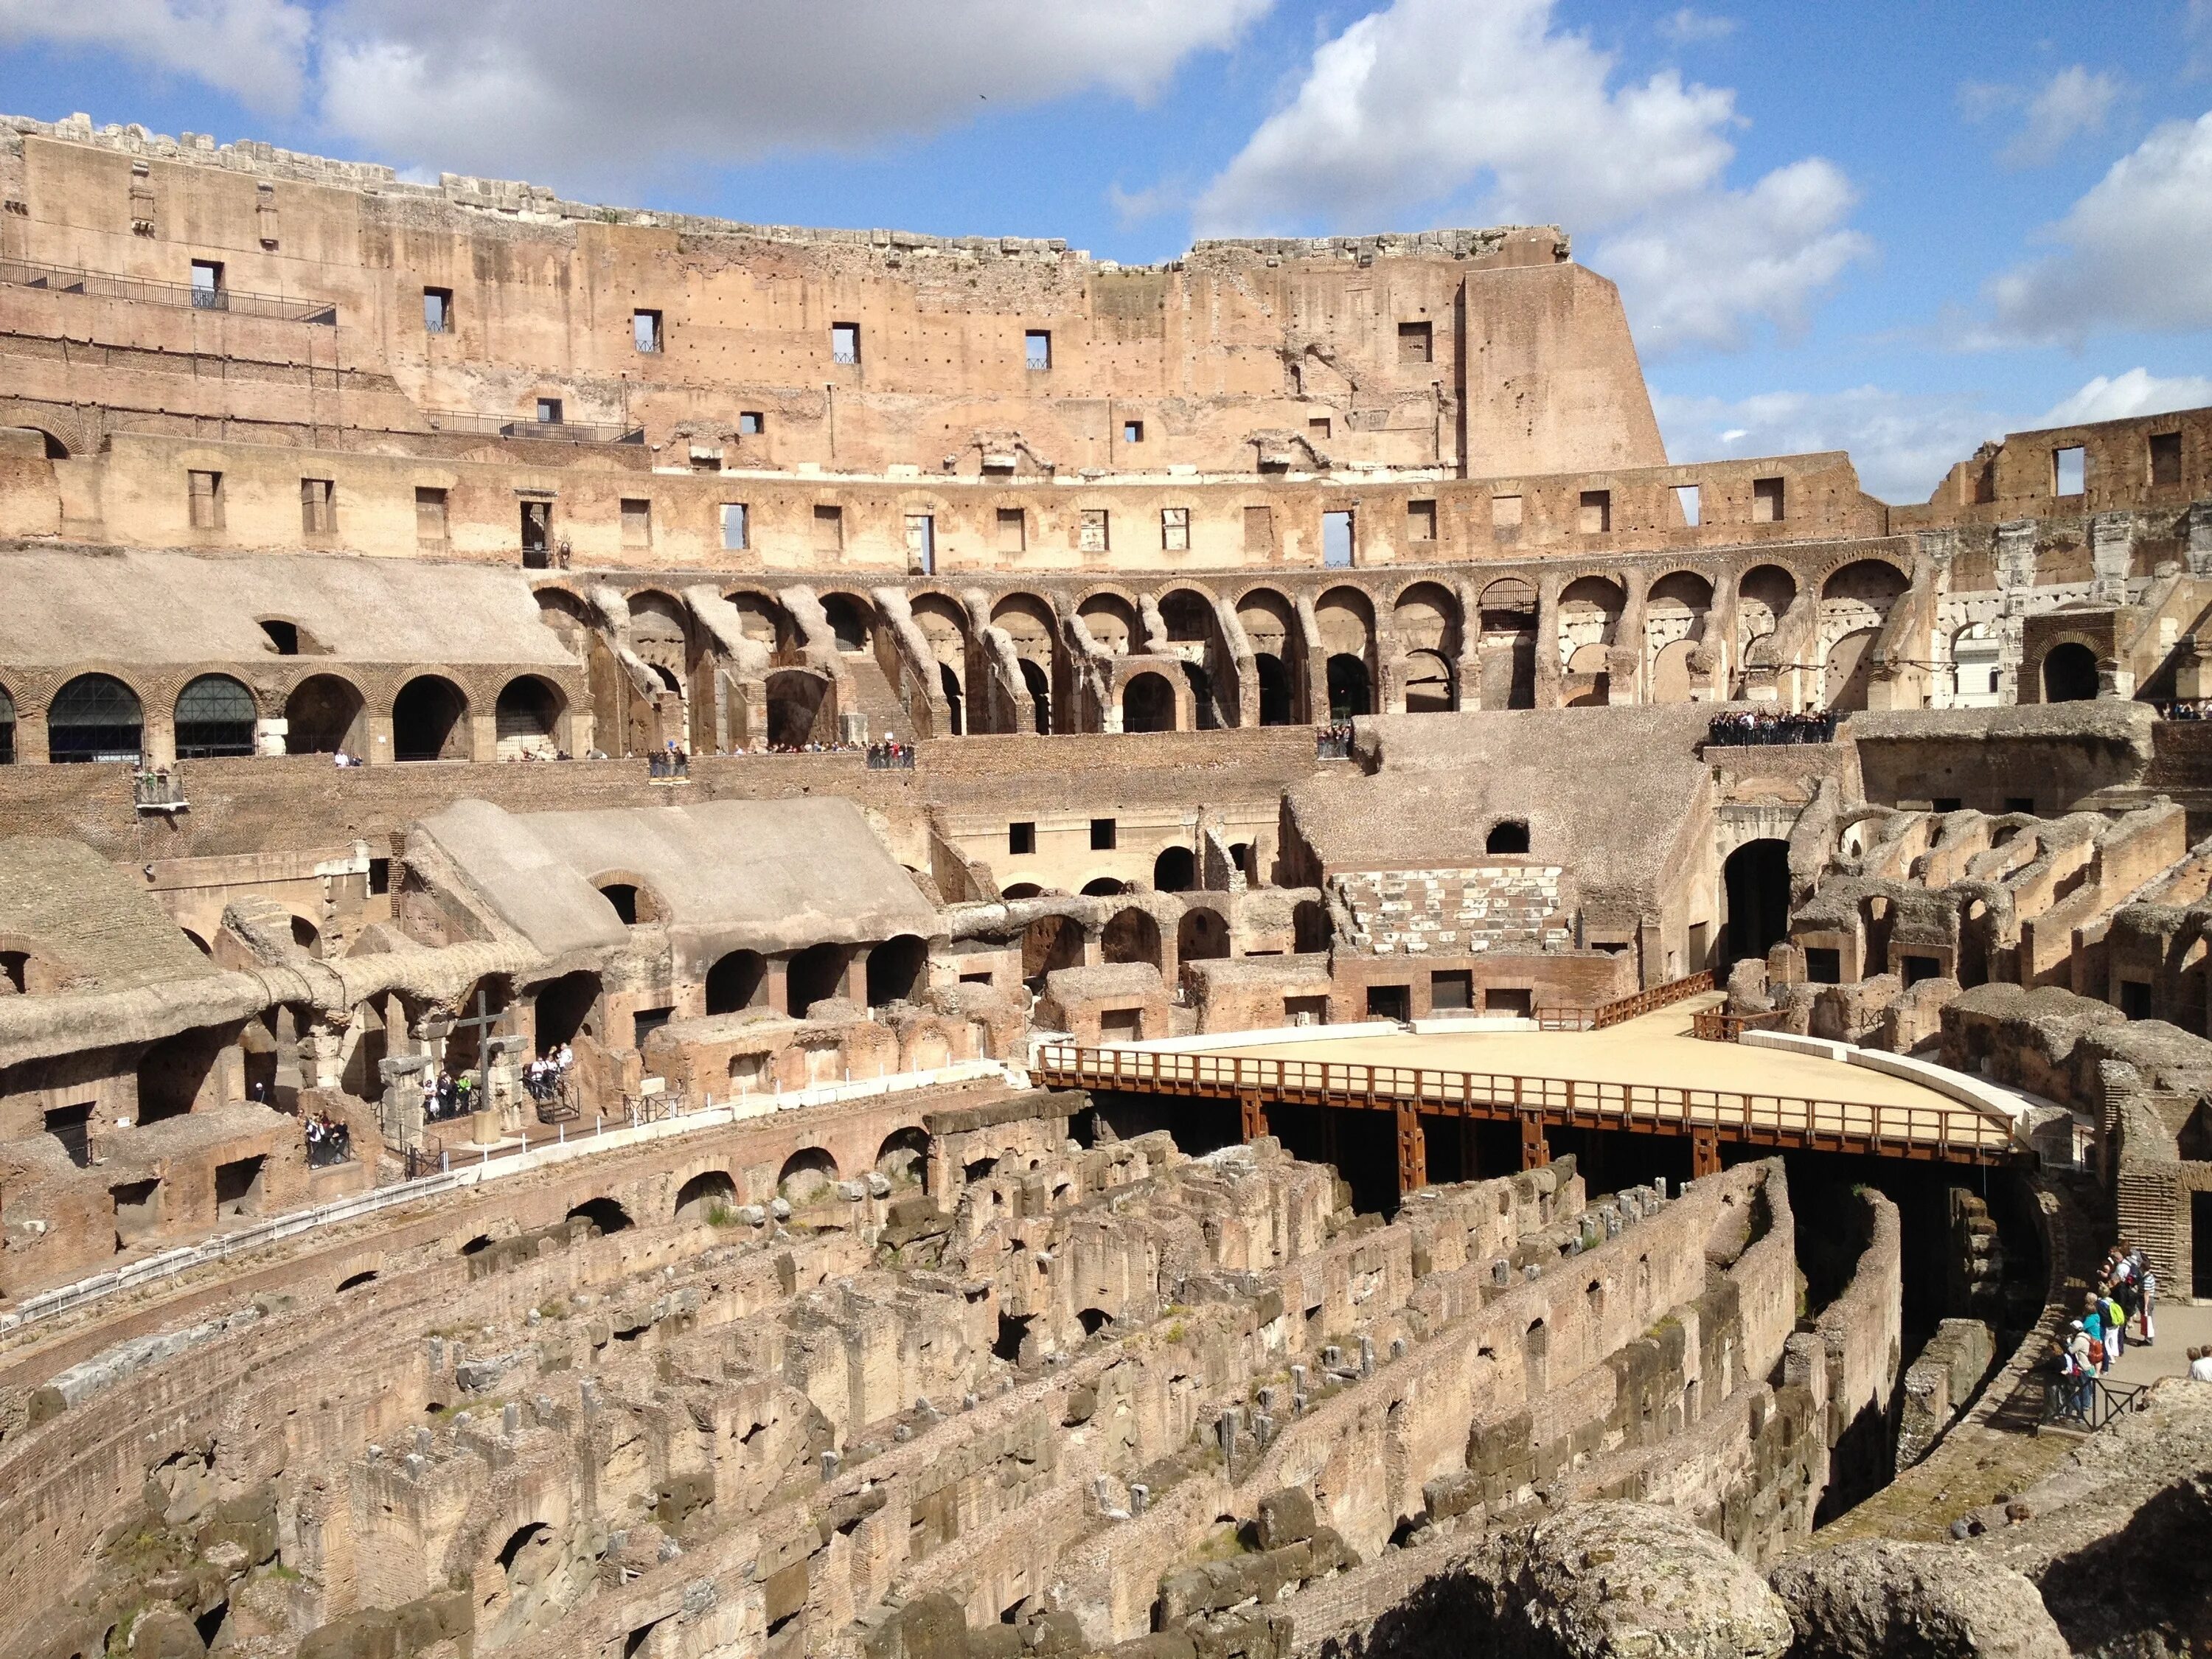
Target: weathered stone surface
1896 1600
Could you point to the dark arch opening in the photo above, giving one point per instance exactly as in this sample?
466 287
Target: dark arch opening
215 718
322 716
1131 936
903 1158
849 623
1104 887
430 720
520 1539
1310 927
1275 704
358 1281
1176 871
797 707
1050 943
1757 878
806 1175
564 1009
1093 1319
1204 715
956 716
736 981
623 895
526 719
96 717
1201 935
705 1193
1148 704
1507 835
895 970
605 1214
815 974
1349 691
2069 673
1039 689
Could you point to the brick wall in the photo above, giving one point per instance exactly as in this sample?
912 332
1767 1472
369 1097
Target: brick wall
1512 906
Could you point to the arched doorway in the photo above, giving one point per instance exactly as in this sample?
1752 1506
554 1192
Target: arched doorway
896 969
816 973
215 718
1429 683
564 1010
1349 691
903 1158
1275 705
847 620
737 981
1040 691
1176 871
1148 704
1507 835
2069 673
1131 936
1757 878
1050 943
807 1176
796 708
430 720
323 716
527 719
96 717
1201 935
706 1194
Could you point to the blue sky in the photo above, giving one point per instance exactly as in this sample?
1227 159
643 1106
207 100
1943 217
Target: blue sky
1895 229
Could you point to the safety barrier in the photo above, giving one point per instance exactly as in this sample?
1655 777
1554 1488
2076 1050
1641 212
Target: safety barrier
1621 1009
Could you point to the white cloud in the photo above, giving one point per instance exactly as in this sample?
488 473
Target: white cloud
2071 103
254 49
2118 397
582 88
1433 102
1902 444
2134 252
1686 27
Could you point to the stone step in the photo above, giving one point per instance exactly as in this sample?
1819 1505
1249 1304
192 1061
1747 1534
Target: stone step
874 696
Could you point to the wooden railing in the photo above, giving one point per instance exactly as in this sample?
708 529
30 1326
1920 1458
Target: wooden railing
1630 1007
1936 1129
1718 1025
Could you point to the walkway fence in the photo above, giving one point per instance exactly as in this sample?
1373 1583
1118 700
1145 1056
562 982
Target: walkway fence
151 291
2088 1403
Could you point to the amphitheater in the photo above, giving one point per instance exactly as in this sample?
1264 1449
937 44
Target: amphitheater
726 940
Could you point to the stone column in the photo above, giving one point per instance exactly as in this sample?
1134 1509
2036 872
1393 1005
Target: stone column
2111 547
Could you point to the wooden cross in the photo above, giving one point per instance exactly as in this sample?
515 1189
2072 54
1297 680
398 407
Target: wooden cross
481 1023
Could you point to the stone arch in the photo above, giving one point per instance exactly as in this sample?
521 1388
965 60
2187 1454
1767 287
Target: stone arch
1672 680
1849 670
1431 685
607 1214
1201 935
1426 618
95 717
1050 943
216 716
1675 612
1175 871
1028 622
904 1157
326 715
1350 691
568 615
802 708
1589 616
897 970
1506 614
1104 887
806 1175
632 898
1039 686
1148 704
1855 600
1976 665
763 620
1110 620
1131 936
1756 881
1763 594
526 719
852 620
737 980
430 720
2070 672
816 975
943 624
563 1009
1345 618
1508 836
697 1199
1271 628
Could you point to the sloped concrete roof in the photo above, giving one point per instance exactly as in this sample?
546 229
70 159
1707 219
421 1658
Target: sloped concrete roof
87 917
131 607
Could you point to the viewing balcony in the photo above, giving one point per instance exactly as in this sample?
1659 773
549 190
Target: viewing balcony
151 290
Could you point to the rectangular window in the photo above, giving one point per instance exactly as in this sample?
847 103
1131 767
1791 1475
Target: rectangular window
736 537
2166 458
1336 541
1768 503
844 342
921 545
207 285
1174 529
2135 996
1597 511
2068 469
1133 432
536 527
1689 498
1451 990
1101 834
830 529
430 516
1318 427
207 501
1259 529
1021 838
548 411
752 424
1415 343
380 877
1919 968
645 329
1091 538
1013 529
1504 511
1036 348
437 311
1823 965
1390 1002
319 507
1420 522
637 523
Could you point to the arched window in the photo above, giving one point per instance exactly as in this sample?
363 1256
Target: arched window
1175 871
2069 673
96 717
1148 704
215 717
1507 835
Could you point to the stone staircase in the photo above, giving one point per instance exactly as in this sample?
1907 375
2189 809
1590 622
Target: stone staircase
874 696
1454 912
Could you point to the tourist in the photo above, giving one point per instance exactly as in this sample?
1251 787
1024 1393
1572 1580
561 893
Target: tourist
2146 1305
2200 1364
2083 1351
2116 1326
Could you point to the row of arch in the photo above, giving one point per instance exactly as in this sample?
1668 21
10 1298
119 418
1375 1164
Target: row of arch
100 717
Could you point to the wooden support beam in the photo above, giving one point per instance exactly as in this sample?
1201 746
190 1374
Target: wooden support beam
1705 1152
1253 1114
1413 1153
1535 1153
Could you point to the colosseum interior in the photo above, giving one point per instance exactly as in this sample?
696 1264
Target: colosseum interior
719 940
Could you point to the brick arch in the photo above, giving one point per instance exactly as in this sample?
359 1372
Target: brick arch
1827 567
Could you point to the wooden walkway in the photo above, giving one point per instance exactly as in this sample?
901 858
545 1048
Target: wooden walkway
1937 1131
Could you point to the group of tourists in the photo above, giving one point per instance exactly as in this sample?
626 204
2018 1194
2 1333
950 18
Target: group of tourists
1769 725
445 1096
329 1142
1334 741
544 1078
889 754
2184 708
2125 1293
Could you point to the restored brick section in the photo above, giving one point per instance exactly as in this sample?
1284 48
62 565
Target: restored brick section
1509 906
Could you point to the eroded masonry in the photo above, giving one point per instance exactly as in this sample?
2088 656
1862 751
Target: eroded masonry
719 940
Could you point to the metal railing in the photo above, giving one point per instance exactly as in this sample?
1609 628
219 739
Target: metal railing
154 290
469 423
898 757
1640 1003
1738 730
1942 1131
2088 1403
157 792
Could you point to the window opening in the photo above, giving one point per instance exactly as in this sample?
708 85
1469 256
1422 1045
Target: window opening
845 342
318 513
1021 838
1013 529
548 411
437 311
1174 529
208 294
206 489
1336 541
1093 530
752 424
429 516
1036 348
2166 458
734 536
1766 501
1416 342
1597 511
1133 432
1420 522
1686 496
2069 471
636 522
1102 837
645 329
